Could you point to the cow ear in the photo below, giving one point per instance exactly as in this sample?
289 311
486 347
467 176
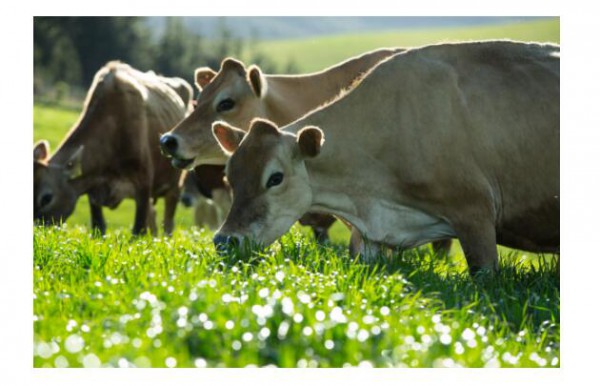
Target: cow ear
257 81
229 137
310 141
231 64
41 150
73 165
263 127
203 76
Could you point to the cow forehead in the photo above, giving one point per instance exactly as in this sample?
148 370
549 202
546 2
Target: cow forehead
250 159
225 78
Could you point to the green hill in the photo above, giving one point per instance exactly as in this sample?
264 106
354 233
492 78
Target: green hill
316 53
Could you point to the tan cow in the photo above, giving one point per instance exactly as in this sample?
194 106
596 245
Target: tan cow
450 140
112 152
237 94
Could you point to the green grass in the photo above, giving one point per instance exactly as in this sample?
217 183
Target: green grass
118 301
314 54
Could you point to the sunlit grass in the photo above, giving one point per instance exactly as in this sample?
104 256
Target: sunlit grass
120 301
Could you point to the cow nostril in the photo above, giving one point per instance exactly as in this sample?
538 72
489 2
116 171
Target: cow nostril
45 199
168 143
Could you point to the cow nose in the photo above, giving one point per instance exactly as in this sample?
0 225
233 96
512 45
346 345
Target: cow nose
168 144
224 243
186 200
45 199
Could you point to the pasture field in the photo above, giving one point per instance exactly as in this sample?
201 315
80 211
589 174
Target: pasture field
119 301
166 302
314 54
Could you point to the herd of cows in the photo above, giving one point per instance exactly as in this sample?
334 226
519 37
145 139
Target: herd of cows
405 146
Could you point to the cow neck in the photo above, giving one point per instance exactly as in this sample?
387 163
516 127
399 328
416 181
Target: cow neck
330 173
91 174
290 97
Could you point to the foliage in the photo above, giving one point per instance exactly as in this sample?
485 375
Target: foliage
72 49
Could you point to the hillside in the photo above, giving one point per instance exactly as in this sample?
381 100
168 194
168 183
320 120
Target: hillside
313 54
291 27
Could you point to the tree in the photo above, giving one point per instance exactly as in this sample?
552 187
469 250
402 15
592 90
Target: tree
72 49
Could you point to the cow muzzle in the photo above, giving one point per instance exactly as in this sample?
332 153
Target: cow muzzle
187 200
169 147
226 244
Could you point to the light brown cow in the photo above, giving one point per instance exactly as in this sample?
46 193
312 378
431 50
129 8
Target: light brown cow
237 94
450 140
112 152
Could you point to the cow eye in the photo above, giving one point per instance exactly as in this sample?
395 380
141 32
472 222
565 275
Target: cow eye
225 105
275 179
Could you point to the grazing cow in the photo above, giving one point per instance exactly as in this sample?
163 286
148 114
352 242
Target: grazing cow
204 189
451 140
237 94
113 152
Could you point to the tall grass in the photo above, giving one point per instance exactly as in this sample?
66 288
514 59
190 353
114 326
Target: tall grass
118 301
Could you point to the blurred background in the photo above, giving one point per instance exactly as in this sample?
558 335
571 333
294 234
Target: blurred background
69 50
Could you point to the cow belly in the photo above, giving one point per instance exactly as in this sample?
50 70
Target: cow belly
536 230
403 226
112 193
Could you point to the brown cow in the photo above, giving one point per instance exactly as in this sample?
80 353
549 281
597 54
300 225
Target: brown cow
237 94
203 189
450 140
113 152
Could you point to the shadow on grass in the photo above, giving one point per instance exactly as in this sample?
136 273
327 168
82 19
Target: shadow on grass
520 294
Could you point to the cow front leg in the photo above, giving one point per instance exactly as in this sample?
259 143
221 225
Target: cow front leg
478 241
171 200
368 251
222 203
142 211
98 223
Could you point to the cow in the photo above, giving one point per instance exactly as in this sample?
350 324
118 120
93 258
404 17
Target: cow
112 152
203 189
451 140
237 94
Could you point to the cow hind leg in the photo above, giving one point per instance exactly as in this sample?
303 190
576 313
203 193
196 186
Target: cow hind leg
320 234
442 247
143 208
152 219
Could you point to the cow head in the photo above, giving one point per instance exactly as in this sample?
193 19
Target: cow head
268 176
234 95
54 197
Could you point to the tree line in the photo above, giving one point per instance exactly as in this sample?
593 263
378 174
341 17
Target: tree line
69 50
